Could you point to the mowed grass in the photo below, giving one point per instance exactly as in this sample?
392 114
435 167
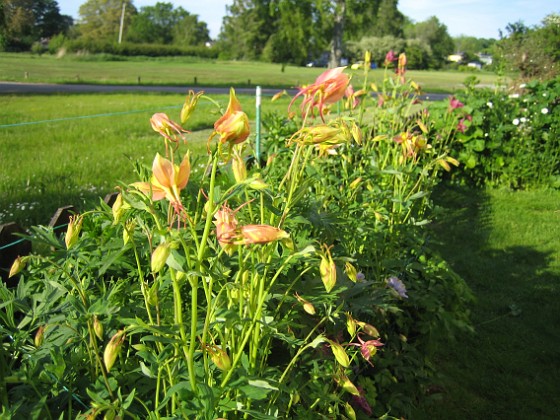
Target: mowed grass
506 246
185 71
73 150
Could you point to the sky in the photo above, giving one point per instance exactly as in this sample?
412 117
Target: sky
478 18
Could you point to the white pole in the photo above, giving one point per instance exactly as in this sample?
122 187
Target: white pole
258 142
122 22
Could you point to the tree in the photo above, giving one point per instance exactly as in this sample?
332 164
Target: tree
390 21
101 19
246 28
434 33
532 52
23 22
294 39
190 31
163 24
48 20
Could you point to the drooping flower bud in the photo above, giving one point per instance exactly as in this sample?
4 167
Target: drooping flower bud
97 327
159 257
238 166
113 349
327 269
351 272
261 234
351 324
339 353
73 231
307 306
39 336
18 265
343 381
220 358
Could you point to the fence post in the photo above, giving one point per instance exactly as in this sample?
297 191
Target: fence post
61 217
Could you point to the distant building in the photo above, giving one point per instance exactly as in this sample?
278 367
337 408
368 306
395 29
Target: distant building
485 59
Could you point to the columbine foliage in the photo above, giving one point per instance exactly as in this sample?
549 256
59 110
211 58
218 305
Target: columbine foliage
302 288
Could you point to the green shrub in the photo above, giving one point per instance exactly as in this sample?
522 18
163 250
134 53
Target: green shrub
510 139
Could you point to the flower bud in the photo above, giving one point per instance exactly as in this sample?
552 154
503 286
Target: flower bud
220 358
307 306
73 231
17 265
342 380
39 336
327 269
239 168
117 209
257 183
351 325
159 257
339 354
97 327
190 104
261 234
113 349
351 272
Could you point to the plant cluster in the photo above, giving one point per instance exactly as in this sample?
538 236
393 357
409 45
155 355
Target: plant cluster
303 287
510 138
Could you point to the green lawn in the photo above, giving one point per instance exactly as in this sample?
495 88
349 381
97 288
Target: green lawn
64 150
505 245
186 71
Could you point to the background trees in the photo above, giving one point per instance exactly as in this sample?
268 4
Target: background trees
23 22
100 19
163 24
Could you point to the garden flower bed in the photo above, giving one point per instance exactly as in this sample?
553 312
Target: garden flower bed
301 286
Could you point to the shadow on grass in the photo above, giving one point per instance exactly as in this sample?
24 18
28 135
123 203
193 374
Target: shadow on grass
510 367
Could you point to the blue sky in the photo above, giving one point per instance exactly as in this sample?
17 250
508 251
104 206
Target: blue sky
479 18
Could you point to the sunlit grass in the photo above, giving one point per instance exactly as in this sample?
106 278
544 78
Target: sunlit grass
188 71
73 150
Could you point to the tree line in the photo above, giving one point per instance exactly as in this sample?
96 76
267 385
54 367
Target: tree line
282 31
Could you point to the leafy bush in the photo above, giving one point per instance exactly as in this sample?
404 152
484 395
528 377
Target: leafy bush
132 49
510 139
318 296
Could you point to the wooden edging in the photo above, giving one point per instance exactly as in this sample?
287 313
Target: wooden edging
12 245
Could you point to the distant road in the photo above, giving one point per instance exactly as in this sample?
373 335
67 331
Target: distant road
7 88
46 88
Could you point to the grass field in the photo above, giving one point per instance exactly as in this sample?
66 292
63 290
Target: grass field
505 245
70 150
189 71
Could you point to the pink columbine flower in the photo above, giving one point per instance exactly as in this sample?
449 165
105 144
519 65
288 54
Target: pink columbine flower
390 57
328 88
454 103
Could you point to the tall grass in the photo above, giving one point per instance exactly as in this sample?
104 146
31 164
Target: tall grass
186 71
505 245
71 150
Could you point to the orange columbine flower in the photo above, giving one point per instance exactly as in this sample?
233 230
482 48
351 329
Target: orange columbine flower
233 126
328 88
167 128
167 180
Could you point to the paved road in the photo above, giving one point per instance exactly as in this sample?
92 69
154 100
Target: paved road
7 88
46 88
